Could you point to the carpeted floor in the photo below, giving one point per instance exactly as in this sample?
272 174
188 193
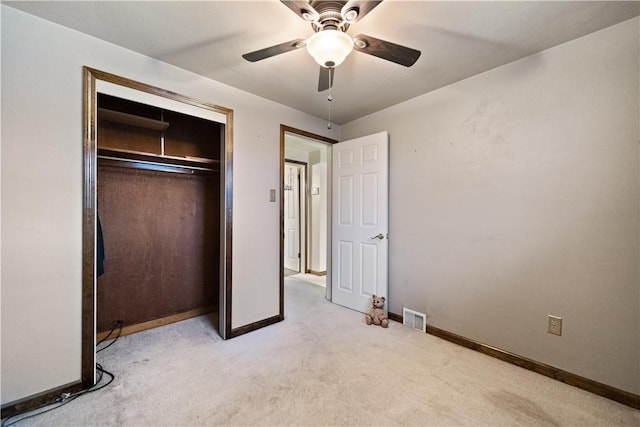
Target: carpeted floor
311 278
289 273
321 366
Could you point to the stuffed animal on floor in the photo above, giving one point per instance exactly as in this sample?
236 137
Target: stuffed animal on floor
376 315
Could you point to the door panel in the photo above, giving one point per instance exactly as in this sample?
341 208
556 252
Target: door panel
345 265
360 225
346 200
370 200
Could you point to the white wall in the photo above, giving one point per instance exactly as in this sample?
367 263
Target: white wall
291 153
42 192
514 195
318 231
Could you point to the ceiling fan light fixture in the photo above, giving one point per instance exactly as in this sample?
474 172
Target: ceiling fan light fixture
329 47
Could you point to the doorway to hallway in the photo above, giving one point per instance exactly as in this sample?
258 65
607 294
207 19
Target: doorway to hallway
304 218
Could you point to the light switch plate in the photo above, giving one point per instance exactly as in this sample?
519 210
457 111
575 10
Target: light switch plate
272 195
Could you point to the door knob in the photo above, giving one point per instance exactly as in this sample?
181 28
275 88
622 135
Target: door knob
379 237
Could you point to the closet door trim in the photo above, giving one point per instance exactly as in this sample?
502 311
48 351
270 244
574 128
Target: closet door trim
95 81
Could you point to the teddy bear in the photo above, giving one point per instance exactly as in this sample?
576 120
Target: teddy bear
376 315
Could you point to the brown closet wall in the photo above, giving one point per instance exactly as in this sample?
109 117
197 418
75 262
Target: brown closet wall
161 228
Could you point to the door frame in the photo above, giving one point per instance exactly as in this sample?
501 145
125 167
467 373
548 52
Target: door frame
284 129
91 77
303 212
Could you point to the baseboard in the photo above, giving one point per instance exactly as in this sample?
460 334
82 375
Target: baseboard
156 323
39 400
394 317
317 273
254 326
612 393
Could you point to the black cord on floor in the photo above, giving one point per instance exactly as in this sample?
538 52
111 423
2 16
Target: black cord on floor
65 398
119 324
68 397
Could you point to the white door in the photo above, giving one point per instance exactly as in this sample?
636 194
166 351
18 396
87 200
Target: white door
360 183
291 217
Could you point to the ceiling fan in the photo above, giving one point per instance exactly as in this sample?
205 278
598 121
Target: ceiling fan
330 44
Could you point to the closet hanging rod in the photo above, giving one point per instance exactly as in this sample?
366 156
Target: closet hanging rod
164 167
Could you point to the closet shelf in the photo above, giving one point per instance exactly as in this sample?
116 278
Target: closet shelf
165 163
131 120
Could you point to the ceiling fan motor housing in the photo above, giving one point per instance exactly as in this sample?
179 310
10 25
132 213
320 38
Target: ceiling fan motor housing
330 15
330 20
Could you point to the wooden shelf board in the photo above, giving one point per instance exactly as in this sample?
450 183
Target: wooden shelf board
131 120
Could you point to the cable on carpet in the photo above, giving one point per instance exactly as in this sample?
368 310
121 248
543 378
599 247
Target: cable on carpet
119 324
69 397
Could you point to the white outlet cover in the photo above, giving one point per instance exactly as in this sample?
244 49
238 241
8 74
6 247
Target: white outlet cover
554 325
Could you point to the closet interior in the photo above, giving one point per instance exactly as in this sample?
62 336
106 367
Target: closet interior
158 198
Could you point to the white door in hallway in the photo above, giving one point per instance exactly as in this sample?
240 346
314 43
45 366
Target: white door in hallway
291 217
360 185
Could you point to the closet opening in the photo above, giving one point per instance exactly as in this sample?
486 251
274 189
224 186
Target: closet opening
158 199
157 210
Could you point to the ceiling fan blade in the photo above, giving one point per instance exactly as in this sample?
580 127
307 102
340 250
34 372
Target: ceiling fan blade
274 50
361 7
386 50
303 9
325 80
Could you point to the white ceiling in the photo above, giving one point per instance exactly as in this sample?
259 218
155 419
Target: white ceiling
457 40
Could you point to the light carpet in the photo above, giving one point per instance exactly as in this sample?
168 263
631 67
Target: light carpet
321 366
311 278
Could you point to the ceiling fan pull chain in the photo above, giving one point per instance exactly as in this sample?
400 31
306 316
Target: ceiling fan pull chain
329 98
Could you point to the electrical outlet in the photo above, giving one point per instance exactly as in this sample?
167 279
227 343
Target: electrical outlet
555 325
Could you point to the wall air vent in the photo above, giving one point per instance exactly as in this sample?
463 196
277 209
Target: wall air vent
414 319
